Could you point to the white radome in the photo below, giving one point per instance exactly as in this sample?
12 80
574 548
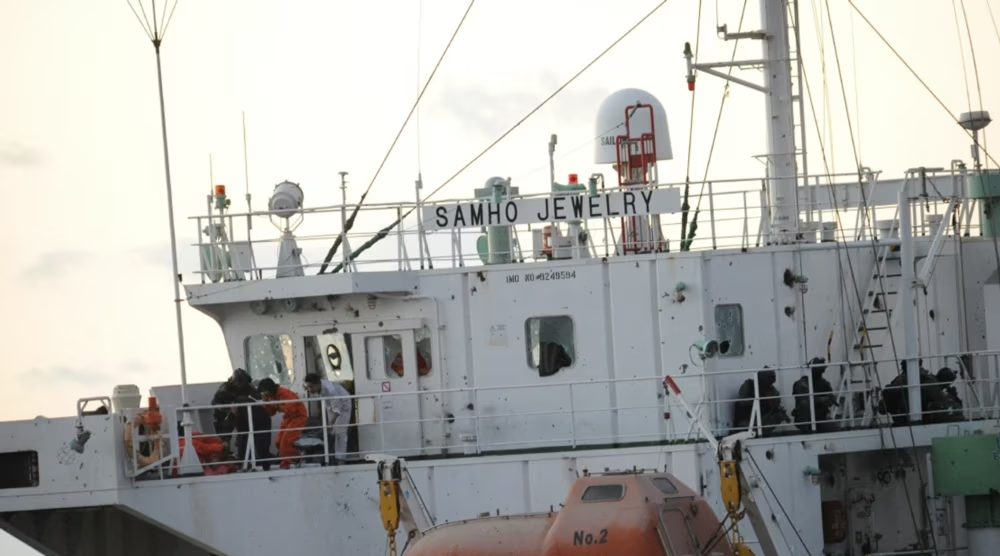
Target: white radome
611 120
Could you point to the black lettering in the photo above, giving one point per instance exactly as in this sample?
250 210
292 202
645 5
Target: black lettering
607 205
529 277
544 217
577 206
604 536
459 216
441 216
492 213
557 208
589 539
476 214
629 201
577 538
511 212
595 208
646 196
513 279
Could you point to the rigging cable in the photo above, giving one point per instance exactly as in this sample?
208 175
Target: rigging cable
961 53
993 20
685 206
693 227
915 75
416 103
385 231
881 282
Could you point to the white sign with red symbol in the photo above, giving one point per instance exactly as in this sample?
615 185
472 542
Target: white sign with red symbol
386 386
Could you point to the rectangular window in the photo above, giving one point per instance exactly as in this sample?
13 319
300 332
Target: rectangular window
270 356
603 493
18 469
331 356
550 344
729 329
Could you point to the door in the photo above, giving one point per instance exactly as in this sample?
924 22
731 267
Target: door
389 408
678 534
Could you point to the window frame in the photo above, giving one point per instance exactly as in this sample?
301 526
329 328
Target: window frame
527 340
624 490
742 330
291 369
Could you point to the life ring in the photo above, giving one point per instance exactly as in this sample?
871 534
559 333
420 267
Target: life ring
151 420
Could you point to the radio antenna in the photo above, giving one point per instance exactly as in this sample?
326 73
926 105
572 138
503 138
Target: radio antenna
246 178
189 463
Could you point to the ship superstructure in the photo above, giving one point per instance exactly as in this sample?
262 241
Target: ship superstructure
515 341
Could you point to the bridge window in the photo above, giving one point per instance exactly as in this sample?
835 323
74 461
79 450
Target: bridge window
665 486
550 344
392 345
270 356
603 493
729 329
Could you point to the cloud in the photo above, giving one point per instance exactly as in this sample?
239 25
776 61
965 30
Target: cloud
63 375
135 366
55 264
492 110
16 154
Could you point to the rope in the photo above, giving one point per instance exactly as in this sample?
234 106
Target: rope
350 221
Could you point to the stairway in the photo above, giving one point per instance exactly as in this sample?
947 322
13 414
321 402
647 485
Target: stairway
873 340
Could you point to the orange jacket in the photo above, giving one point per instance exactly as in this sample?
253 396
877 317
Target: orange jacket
290 411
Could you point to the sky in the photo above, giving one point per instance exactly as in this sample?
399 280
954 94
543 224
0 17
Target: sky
325 86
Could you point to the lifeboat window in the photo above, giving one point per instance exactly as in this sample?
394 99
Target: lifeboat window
269 356
729 329
550 344
665 486
603 493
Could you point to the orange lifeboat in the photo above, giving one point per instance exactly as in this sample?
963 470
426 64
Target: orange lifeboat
641 514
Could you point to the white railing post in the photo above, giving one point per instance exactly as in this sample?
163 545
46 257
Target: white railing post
572 417
326 443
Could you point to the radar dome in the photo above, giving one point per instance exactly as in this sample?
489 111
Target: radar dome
611 124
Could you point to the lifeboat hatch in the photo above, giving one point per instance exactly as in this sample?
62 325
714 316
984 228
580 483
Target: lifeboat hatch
678 534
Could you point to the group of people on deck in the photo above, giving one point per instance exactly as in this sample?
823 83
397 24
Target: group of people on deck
239 415
814 406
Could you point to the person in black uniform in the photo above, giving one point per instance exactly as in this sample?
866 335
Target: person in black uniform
772 413
239 384
239 419
823 399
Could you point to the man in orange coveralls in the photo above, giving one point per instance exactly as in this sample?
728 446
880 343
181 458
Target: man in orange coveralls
293 416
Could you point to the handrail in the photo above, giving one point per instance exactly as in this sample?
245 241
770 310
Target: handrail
582 425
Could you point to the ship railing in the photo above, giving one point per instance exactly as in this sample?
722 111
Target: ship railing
734 211
580 418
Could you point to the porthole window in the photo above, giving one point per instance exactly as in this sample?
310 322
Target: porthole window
664 485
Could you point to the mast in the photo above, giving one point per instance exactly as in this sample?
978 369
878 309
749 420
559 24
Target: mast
189 463
782 186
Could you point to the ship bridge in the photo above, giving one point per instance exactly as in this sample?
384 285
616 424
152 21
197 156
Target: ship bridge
505 343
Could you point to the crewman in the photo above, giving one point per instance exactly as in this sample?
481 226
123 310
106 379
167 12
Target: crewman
823 399
772 413
338 410
293 418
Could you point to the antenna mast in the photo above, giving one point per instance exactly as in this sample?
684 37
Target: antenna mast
189 463
782 186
